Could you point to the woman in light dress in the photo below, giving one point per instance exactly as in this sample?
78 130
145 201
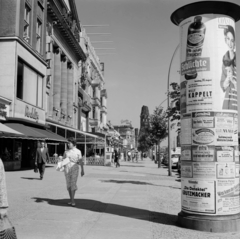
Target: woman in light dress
72 168
7 231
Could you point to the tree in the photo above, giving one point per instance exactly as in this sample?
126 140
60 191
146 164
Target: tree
158 130
144 141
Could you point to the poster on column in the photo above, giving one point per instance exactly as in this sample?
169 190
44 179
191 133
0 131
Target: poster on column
203 153
203 137
236 154
186 153
224 153
204 170
186 129
235 127
198 196
225 170
208 63
227 196
186 170
203 120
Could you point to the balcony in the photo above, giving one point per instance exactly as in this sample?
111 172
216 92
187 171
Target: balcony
96 102
94 122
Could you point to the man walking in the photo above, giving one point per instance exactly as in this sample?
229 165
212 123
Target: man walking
116 157
41 158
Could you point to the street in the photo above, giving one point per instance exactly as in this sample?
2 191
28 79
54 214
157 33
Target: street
137 200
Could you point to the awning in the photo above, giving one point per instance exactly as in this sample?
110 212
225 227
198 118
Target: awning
50 135
6 132
36 133
26 131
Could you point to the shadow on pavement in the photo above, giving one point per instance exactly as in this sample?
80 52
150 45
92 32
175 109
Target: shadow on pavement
114 209
127 181
30 178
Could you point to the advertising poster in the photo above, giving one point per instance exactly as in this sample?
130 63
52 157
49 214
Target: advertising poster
225 170
204 170
235 127
203 137
186 129
224 120
237 170
183 97
186 153
236 154
203 153
227 196
224 153
203 120
198 196
208 63
224 136
186 170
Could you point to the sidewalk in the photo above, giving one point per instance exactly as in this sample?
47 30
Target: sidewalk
135 201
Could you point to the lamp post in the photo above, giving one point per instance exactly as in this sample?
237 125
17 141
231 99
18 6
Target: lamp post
168 103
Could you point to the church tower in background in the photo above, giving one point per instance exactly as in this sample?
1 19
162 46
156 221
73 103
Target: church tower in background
144 119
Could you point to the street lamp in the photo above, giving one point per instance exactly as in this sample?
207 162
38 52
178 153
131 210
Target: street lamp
168 103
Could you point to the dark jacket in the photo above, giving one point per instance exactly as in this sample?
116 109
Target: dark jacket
42 156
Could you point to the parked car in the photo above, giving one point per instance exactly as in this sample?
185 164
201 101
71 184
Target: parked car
165 159
174 160
179 165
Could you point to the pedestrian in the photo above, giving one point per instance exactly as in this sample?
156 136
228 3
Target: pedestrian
41 158
7 231
129 155
116 157
71 169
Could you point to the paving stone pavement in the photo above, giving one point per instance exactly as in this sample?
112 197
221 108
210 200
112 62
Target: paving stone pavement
135 201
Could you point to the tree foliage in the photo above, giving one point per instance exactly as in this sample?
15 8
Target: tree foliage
158 126
156 132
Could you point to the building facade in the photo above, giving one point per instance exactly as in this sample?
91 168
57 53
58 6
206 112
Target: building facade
45 65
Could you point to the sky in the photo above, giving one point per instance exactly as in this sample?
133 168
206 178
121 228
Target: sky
144 39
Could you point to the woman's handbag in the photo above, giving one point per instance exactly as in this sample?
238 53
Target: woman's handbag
35 169
7 231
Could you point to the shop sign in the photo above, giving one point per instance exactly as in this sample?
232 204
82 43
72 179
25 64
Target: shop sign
31 113
4 111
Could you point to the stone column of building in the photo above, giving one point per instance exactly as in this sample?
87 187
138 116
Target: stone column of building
57 83
64 82
70 93
50 76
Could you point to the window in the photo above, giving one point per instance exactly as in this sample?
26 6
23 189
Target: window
29 85
27 17
40 10
93 113
39 36
94 92
101 117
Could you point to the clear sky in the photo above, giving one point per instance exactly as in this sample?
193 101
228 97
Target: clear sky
145 39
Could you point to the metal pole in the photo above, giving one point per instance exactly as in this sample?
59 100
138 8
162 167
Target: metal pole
169 129
159 158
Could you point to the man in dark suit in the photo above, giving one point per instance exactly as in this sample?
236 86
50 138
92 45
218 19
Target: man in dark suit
41 158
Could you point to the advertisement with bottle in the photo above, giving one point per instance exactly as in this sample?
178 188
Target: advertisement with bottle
227 196
198 196
225 170
208 63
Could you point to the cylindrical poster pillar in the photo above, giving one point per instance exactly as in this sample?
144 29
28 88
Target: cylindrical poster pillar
209 116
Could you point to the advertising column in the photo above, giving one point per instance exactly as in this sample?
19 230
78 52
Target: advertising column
210 197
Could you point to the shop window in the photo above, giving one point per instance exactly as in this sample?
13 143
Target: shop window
27 17
61 132
70 134
39 36
6 152
29 85
93 113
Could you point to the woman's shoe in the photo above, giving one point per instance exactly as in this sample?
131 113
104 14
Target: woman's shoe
69 203
73 204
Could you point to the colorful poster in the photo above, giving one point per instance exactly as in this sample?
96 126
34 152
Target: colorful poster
185 153
225 170
203 153
227 196
186 170
198 196
203 120
186 129
204 170
203 137
224 153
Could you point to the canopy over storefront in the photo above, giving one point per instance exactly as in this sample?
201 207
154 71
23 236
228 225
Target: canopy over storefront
6 132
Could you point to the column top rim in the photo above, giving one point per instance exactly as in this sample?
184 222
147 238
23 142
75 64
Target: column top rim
206 7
